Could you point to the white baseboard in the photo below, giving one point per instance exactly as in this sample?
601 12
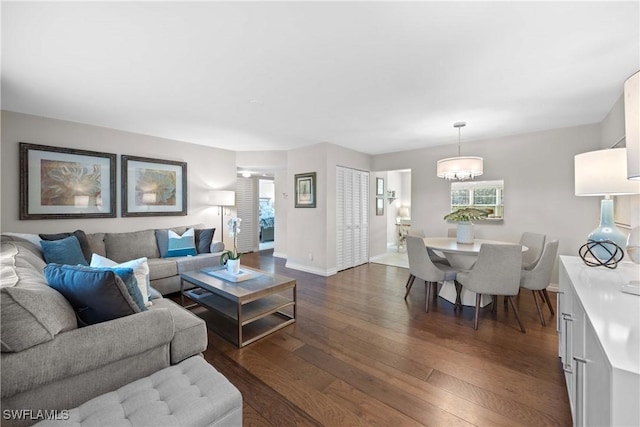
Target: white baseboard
553 287
279 255
377 257
312 270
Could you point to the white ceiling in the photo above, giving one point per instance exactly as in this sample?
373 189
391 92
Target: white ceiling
375 77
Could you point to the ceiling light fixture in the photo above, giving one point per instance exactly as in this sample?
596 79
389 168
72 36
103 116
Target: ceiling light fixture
459 168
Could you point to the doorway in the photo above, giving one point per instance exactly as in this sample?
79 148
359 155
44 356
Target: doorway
266 213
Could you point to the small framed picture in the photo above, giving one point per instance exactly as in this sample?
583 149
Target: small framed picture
60 183
379 186
305 185
153 187
379 206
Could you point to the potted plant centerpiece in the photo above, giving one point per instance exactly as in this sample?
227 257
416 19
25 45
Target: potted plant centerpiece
463 217
232 258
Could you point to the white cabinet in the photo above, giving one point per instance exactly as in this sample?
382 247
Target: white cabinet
599 343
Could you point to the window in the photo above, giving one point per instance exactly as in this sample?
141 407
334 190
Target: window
487 195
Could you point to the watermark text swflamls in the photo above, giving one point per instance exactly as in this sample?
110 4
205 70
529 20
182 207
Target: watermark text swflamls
35 415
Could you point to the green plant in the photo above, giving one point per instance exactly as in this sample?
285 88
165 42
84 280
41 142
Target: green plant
466 215
234 230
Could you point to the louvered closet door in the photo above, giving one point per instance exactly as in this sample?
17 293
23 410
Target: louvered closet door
247 210
352 217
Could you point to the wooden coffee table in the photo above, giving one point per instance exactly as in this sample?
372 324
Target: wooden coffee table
247 310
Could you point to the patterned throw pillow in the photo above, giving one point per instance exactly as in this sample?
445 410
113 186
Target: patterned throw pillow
181 245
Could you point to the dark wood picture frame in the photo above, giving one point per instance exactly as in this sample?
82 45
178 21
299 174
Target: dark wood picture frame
153 187
380 187
66 183
305 186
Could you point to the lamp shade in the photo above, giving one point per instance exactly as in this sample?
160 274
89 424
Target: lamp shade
460 168
222 197
403 212
632 125
603 173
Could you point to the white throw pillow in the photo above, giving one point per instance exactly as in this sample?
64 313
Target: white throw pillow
140 270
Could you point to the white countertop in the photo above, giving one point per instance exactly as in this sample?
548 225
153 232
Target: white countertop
614 315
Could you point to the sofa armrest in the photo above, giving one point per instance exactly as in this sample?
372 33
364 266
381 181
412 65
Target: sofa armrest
216 246
84 349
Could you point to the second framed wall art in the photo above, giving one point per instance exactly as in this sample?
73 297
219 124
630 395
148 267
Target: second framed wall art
153 187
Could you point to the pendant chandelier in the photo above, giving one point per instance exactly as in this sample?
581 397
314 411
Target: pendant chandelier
459 168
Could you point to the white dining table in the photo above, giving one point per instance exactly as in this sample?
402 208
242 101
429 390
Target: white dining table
461 256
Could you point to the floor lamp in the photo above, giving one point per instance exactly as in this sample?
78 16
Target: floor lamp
222 198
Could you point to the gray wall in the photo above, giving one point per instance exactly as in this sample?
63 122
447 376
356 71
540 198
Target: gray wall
537 169
207 168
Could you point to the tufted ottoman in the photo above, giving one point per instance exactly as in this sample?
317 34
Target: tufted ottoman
191 393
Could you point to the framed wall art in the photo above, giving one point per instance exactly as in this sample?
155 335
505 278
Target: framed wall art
305 185
153 187
379 186
61 183
379 206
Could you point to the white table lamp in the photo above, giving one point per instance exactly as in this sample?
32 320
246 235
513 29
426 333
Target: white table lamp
604 173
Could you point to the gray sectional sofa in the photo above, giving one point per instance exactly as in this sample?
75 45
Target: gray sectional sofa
164 273
49 362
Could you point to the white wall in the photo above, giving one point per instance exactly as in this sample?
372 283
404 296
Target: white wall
207 168
537 169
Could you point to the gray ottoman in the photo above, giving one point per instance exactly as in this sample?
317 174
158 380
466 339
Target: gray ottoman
191 393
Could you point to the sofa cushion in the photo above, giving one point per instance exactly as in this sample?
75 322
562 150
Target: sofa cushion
97 294
204 237
122 247
140 269
31 311
190 331
160 268
63 251
191 393
96 241
189 263
82 239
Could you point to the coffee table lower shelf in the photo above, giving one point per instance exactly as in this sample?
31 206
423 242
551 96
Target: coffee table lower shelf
245 323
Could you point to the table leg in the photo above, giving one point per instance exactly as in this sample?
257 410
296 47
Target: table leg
240 321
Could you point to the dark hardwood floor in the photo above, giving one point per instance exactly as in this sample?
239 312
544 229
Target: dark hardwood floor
360 354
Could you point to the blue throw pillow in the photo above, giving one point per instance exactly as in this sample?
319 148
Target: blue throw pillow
63 251
97 294
181 245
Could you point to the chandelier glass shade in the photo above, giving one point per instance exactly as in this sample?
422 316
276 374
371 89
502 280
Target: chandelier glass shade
459 168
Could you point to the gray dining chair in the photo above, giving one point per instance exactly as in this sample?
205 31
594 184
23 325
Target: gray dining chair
496 272
419 232
537 279
421 267
535 243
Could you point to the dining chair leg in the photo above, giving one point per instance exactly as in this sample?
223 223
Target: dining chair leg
410 280
546 296
515 311
475 320
435 291
494 303
458 303
428 285
535 298
409 285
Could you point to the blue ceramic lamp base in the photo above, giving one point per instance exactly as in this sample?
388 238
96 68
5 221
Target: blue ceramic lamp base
607 231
